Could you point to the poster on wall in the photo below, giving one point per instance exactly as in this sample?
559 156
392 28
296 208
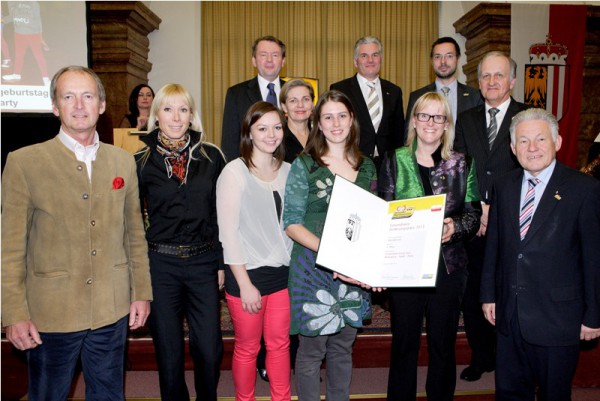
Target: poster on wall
38 38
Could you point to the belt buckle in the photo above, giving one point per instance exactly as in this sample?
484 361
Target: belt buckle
181 249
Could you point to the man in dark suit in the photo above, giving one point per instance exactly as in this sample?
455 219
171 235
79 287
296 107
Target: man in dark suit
486 140
445 54
541 276
268 56
382 124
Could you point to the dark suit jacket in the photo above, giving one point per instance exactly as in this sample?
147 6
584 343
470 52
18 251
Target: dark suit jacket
471 138
238 100
467 98
390 134
552 277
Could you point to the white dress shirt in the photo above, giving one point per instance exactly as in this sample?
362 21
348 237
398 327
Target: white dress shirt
452 97
543 177
365 89
264 91
499 116
85 154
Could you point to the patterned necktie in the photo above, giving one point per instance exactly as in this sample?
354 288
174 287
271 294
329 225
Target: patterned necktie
527 208
374 105
445 90
271 96
492 130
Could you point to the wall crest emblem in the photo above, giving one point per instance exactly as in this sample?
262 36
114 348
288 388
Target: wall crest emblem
547 78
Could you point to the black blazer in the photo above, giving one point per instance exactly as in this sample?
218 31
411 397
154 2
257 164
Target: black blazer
238 100
390 134
467 98
471 138
552 277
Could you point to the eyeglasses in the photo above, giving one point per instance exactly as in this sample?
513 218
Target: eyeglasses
438 118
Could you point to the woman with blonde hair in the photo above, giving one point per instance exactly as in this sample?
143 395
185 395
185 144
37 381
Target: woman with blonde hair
177 173
429 166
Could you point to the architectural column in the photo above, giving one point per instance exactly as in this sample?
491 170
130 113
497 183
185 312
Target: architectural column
486 27
119 53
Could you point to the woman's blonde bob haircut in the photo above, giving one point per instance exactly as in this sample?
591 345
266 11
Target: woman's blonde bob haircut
420 104
170 91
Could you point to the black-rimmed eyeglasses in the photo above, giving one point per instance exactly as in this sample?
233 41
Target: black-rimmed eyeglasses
438 118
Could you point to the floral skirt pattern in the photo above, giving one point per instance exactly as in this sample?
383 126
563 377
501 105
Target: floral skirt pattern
319 304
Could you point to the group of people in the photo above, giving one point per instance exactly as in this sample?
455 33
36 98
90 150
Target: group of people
176 223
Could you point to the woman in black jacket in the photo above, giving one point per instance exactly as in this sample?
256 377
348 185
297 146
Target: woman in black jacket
177 173
429 166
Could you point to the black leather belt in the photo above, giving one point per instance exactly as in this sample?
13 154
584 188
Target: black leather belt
180 251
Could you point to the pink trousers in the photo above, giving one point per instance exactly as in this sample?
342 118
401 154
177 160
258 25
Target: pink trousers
272 323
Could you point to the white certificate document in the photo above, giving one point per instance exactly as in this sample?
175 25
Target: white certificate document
382 244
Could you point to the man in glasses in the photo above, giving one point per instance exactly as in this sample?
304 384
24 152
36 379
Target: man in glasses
445 53
483 133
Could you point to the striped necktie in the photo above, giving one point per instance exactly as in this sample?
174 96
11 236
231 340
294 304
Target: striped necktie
445 90
492 130
374 105
527 208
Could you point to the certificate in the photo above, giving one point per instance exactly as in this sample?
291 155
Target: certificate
382 244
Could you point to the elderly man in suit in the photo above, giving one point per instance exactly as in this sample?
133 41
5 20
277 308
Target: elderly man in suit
541 276
74 256
377 102
482 133
268 56
445 54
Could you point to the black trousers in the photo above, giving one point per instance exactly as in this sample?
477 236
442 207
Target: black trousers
440 307
480 333
186 287
524 369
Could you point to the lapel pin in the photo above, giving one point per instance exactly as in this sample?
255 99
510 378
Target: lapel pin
557 196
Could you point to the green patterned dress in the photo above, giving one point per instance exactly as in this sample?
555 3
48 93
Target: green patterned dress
319 304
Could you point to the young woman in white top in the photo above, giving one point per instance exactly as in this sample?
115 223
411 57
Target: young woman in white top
257 251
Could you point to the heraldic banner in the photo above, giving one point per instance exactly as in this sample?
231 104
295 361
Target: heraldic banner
547 42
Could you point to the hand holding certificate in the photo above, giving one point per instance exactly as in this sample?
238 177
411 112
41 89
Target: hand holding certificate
382 244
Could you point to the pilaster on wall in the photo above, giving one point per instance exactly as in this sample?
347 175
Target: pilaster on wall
589 125
119 48
486 27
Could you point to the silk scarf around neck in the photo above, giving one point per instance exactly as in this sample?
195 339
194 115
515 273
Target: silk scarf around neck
175 153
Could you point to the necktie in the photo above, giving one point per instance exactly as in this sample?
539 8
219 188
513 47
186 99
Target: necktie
527 208
271 96
492 130
374 105
445 90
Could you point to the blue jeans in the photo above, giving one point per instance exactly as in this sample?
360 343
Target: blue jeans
102 351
